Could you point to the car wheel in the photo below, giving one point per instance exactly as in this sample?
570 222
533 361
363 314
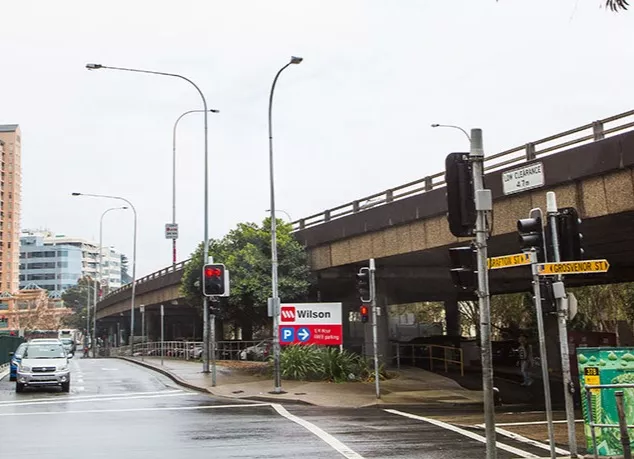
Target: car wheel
19 387
66 387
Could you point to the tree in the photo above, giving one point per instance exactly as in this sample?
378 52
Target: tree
76 320
246 251
39 315
125 268
78 295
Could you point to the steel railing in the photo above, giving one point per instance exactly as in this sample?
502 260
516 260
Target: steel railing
185 350
591 421
448 355
587 133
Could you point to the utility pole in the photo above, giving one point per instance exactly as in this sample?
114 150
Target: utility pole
375 333
542 352
483 204
562 313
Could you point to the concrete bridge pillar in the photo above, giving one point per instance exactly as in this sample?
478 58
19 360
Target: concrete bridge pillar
452 317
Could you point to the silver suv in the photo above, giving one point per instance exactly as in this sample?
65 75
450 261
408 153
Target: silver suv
43 364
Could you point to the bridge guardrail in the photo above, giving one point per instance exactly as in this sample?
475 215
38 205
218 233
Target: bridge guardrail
429 352
186 350
587 133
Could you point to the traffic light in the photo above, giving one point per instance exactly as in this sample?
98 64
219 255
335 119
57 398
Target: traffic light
549 304
363 310
363 284
531 235
569 234
215 280
461 212
464 268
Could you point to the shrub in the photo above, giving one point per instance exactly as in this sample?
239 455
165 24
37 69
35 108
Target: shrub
336 365
299 362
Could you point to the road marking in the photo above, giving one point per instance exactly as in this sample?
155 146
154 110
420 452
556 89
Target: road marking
312 428
526 423
133 410
530 441
110 369
466 433
83 400
123 394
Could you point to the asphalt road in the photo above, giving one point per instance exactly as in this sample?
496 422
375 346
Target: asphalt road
117 409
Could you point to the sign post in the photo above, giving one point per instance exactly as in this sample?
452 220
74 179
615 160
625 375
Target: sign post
375 338
162 334
311 323
142 308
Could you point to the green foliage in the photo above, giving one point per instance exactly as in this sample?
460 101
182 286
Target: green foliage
313 363
246 251
76 320
300 362
79 295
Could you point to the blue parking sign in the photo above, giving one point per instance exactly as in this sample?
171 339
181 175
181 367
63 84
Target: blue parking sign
287 334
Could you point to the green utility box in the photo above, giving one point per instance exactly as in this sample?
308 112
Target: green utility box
605 365
8 344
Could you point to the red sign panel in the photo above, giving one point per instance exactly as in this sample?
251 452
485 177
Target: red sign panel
320 335
287 313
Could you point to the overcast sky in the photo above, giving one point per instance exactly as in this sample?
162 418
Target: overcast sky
351 120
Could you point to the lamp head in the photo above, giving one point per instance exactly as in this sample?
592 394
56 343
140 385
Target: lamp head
124 207
94 66
76 194
435 125
296 60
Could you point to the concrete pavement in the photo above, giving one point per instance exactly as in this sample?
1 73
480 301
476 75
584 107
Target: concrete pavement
410 386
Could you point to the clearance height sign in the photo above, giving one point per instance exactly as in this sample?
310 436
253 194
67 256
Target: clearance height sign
311 323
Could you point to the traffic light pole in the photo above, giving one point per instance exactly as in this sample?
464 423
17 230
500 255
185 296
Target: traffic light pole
542 352
551 203
375 334
483 205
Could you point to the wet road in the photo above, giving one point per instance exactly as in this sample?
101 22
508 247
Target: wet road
117 409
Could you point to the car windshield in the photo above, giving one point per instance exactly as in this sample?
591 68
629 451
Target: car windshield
67 341
44 351
20 350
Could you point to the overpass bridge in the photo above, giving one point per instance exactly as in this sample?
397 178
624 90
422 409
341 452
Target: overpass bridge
405 228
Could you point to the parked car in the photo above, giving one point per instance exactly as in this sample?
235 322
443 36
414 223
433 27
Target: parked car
42 365
69 345
260 351
16 358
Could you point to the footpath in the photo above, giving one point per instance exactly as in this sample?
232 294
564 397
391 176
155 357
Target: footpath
234 380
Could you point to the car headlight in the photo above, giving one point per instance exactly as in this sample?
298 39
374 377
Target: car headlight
62 367
24 368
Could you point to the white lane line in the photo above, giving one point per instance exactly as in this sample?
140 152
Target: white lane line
134 410
526 423
530 441
123 394
312 428
85 400
518 452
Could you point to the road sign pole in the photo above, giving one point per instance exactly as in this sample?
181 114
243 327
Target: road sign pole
162 334
483 205
142 332
375 334
212 341
542 353
551 202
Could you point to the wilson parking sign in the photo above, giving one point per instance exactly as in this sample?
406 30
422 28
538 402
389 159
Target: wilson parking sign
311 323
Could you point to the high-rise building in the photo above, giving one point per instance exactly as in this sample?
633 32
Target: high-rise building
10 193
57 262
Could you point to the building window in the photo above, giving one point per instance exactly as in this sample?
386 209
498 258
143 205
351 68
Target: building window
23 305
4 306
62 264
62 253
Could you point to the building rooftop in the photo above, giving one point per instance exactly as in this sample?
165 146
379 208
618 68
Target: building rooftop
8 127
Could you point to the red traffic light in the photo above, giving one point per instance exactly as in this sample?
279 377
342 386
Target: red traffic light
364 310
211 271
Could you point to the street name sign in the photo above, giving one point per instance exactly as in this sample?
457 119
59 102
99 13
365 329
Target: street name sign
171 231
509 261
573 267
311 323
524 178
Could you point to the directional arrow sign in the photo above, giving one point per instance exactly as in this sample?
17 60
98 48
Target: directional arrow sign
303 334
573 267
509 261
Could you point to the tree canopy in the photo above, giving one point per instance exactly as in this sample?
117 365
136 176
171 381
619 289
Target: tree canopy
76 296
246 252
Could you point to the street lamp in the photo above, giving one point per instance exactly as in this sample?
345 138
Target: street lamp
435 125
275 296
133 295
211 110
283 211
206 200
94 317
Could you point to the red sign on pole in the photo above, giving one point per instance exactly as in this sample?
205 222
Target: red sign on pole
311 323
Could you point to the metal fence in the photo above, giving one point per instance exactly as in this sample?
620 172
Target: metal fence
622 425
443 355
186 350
591 132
